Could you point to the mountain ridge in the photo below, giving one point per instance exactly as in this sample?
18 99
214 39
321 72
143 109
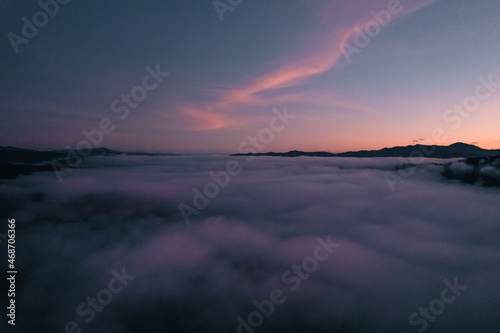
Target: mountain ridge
455 150
22 161
17 161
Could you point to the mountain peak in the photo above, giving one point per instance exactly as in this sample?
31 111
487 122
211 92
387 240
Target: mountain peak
461 144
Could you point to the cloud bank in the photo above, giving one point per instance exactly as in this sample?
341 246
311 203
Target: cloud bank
120 214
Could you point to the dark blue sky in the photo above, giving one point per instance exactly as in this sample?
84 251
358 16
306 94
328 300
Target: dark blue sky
225 77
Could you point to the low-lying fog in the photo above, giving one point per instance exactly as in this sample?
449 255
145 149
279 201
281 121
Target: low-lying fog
283 245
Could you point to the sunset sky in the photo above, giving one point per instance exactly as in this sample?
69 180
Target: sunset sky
226 76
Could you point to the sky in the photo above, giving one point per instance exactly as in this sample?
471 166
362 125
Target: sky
229 67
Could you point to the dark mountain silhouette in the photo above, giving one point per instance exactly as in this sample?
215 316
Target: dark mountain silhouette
19 161
458 149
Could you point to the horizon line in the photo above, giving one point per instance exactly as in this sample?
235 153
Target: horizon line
263 152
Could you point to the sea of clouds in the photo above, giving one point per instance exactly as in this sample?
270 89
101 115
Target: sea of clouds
397 250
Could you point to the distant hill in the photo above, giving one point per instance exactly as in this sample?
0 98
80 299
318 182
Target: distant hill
19 161
458 149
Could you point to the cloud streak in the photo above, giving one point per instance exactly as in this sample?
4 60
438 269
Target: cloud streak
321 53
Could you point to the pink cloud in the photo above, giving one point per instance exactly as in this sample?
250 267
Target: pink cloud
321 54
